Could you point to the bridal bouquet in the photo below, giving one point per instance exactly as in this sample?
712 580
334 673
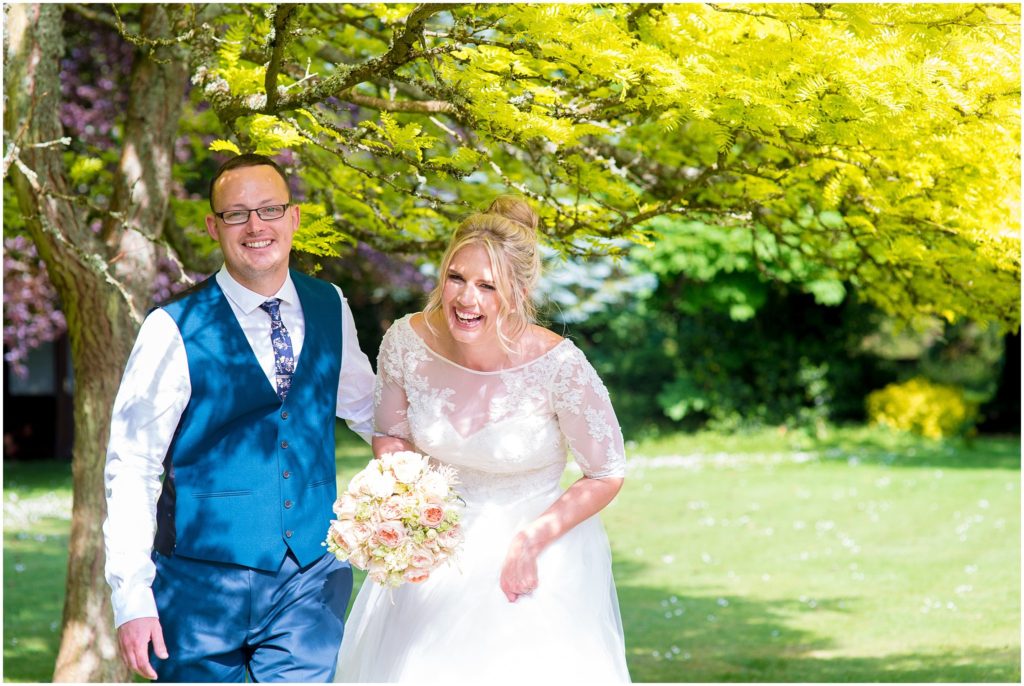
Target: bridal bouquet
398 519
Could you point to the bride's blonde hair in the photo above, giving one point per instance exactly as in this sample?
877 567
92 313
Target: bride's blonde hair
507 231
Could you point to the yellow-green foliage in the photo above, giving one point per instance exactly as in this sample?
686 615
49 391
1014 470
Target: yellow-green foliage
880 140
922 407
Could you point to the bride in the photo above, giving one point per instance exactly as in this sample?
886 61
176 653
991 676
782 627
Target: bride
474 383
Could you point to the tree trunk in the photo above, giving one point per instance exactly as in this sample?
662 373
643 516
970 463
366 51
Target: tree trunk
103 311
143 184
100 325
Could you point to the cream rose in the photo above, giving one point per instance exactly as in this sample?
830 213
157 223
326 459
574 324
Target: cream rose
406 465
379 484
362 531
359 558
392 508
345 506
434 487
355 486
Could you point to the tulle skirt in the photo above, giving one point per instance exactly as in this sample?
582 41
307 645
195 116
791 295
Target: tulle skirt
458 626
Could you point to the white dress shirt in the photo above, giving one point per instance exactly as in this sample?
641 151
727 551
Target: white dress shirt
154 391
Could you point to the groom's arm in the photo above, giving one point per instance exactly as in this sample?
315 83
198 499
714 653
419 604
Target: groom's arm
154 391
356 380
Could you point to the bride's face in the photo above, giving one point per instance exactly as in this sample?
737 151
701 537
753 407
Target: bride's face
470 297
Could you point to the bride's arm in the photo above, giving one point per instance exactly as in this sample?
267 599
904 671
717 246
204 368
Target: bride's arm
587 421
582 500
390 403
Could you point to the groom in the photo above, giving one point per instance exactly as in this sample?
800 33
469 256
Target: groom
230 393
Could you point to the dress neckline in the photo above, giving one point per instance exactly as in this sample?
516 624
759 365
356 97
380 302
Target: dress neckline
419 339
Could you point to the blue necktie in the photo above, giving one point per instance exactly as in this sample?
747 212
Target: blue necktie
284 359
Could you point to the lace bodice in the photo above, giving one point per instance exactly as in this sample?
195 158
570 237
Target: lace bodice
505 431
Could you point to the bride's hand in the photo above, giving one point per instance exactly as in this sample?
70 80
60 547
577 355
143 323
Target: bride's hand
390 444
519 573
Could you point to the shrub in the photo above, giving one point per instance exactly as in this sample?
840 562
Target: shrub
922 407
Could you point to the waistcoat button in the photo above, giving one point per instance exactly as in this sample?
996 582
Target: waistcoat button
284 414
287 474
288 534
287 504
284 444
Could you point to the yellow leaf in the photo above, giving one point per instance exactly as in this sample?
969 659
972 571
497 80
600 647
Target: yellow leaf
221 145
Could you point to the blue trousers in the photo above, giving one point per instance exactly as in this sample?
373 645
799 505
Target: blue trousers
227 623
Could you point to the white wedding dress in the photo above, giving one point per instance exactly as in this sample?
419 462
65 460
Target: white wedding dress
508 434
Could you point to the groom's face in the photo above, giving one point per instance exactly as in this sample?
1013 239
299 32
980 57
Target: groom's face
256 251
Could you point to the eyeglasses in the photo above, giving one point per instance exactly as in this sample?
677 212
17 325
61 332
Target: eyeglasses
268 213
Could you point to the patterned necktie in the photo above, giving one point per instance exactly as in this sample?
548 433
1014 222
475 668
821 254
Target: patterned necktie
284 359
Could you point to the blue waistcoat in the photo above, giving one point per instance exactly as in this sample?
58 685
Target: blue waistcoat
248 477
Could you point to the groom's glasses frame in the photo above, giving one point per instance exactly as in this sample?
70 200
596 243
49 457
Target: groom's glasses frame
268 213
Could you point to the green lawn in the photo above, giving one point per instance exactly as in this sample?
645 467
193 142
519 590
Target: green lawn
854 556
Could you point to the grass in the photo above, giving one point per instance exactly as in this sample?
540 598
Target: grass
855 555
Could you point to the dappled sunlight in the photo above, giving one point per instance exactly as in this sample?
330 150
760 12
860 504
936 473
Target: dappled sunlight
755 566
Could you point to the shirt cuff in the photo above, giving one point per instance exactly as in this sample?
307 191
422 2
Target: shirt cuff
134 604
363 429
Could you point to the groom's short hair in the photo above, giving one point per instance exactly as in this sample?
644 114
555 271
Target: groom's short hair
249 159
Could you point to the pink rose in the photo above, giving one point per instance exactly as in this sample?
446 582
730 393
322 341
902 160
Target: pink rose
416 576
451 538
390 509
422 558
344 534
337 539
390 534
431 515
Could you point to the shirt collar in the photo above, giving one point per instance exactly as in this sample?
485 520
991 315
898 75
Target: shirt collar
248 301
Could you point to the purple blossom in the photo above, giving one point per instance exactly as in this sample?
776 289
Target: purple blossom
31 316
32 313
393 272
93 77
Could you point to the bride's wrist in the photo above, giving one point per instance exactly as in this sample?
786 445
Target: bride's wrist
530 542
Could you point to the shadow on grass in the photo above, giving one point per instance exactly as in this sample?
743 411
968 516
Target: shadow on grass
692 638
883 447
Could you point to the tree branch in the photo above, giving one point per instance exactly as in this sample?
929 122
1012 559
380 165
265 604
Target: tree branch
190 258
230 108
84 11
280 40
418 106
642 9
414 23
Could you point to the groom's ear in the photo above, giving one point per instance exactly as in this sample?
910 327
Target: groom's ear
211 227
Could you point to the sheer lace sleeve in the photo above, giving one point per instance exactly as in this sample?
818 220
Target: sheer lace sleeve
586 417
390 401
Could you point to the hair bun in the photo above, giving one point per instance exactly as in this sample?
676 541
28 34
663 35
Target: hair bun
514 209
